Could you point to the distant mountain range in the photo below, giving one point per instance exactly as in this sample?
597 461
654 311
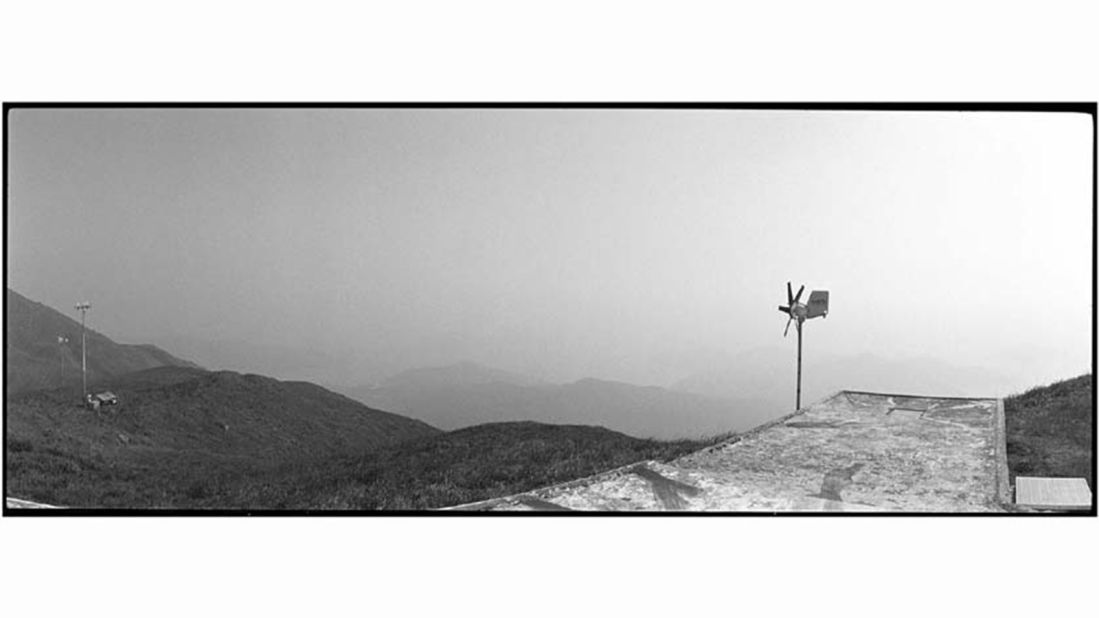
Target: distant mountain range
465 373
466 394
770 374
753 387
35 359
190 438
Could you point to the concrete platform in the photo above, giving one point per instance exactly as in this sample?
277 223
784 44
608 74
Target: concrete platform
16 503
851 452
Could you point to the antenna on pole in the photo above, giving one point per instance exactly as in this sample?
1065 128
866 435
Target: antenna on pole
83 309
816 307
61 341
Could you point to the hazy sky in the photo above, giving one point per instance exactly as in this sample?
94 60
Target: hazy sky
622 244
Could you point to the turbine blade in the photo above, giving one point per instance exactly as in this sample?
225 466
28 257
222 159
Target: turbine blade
784 309
789 294
798 295
787 326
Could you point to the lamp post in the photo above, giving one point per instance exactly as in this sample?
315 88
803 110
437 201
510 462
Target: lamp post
83 309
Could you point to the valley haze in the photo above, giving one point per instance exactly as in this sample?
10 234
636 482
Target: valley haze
595 262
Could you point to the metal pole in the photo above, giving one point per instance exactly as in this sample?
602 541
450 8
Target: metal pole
83 308
799 365
84 356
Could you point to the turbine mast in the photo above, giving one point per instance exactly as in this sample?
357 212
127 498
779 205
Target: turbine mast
798 312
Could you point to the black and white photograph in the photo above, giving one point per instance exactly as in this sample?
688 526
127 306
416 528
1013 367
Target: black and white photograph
553 309
582 308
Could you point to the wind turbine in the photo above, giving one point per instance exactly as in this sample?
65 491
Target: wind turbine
816 307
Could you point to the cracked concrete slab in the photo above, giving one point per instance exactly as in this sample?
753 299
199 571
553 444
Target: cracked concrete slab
854 451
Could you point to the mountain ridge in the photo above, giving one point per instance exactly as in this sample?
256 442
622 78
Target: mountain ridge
770 373
638 411
456 374
35 359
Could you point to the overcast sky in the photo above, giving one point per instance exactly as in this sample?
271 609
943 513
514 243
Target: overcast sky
621 244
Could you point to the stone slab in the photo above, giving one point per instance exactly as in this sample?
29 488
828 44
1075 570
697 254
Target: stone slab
1052 493
852 452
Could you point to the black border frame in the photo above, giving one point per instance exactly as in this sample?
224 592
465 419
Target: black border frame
1088 108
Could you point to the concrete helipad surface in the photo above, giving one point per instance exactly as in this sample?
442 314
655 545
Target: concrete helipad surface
16 503
853 451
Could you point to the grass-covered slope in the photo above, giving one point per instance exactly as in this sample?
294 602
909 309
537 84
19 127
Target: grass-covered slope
466 465
35 359
1049 430
180 433
192 439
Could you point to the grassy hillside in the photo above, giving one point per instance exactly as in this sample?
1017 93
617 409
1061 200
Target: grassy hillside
466 465
288 445
1049 430
179 434
188 438
36 360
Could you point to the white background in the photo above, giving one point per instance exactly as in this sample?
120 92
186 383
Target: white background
562 51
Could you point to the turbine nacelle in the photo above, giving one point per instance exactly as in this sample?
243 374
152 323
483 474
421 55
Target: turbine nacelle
816 306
